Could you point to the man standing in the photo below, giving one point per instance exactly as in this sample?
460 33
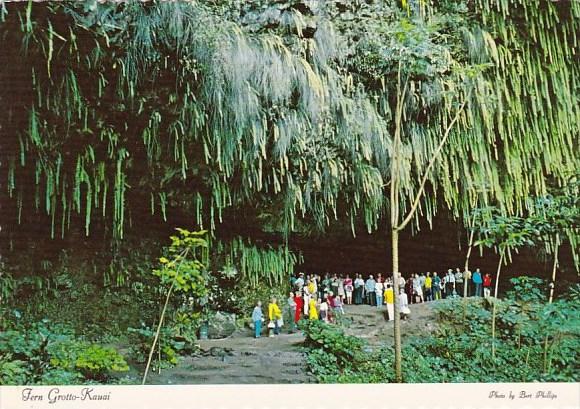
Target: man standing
291 307
422 284
326 283
379 290
449 283
428 287
299 283
359 285
436 286
477 281
459 282
370 290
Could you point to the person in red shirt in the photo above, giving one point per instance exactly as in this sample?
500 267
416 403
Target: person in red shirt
331 305
299 306
487 285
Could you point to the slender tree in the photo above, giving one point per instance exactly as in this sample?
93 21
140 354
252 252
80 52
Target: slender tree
505 234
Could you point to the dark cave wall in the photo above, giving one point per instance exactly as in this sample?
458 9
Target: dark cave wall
333 251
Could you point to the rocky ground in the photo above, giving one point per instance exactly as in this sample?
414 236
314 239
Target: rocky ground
243 359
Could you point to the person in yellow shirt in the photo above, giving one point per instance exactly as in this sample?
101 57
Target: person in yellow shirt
312 312
390 301
428 287
311 287
274 314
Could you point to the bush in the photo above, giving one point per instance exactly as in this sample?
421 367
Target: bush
141 340
39 354
13 372
91 360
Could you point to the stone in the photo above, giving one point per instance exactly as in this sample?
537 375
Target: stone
221 325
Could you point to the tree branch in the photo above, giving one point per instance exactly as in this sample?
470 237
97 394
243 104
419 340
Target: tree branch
429 166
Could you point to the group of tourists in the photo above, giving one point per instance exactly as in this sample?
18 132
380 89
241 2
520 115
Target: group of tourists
317 298
429 286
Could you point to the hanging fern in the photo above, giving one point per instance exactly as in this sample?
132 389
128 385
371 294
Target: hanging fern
178 104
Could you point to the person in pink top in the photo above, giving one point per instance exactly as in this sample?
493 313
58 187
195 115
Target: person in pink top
348 289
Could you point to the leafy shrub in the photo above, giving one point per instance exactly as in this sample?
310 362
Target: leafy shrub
142 338
40 353
92 360
13 372
332 355
61 377
527 289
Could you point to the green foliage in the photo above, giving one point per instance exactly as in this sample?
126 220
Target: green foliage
557 217
505 232
8 285
527 289
62 377
245 261
13 372
289 123
171 345
45 353
460 348
92 360
183 271
332 355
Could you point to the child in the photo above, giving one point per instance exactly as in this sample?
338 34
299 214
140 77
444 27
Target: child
331 305
274 314
338 306
257 317
324 311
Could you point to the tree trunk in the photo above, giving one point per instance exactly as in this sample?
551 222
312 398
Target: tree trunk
551 298
466 266
501 257
157 334
494 306
554 270
397 322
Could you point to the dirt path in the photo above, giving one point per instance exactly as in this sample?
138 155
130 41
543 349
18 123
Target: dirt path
246 360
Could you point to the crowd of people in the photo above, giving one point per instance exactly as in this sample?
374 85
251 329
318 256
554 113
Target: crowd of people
322 298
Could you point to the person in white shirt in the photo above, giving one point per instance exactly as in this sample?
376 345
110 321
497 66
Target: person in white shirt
379 289
449 283
323 310
299 283
306 297
417 289
404 305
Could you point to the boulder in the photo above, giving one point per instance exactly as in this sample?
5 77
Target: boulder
221 325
